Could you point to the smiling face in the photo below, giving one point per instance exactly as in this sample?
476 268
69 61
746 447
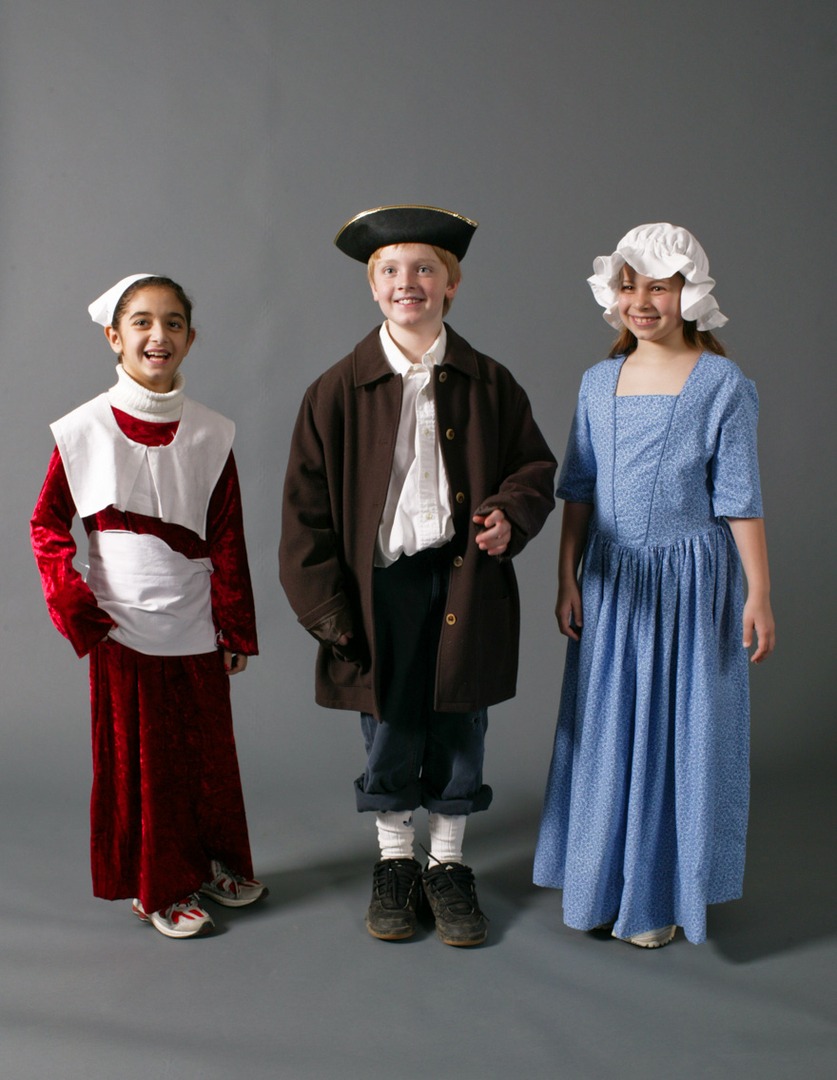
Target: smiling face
650 307
152 337
410 284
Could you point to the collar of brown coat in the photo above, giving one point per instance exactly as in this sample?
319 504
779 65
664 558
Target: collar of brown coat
370 364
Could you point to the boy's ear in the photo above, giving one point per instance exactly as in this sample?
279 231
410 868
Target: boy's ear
114 340
450 290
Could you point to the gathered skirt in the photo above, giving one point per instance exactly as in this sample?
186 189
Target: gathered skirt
645 813
166 795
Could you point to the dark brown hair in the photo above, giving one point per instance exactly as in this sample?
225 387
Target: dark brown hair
153 282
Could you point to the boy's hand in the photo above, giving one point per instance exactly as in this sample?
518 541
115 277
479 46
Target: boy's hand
336 632
496 532
234 662
335 629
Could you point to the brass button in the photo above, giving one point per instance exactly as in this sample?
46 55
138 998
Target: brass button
450 434
460 497
443 376
450 619
458 561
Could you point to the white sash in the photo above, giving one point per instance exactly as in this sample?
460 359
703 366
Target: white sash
159 599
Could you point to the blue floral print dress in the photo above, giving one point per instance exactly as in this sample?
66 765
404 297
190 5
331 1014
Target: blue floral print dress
645 814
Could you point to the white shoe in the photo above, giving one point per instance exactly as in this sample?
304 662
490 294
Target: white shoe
181 920
230 889
653 939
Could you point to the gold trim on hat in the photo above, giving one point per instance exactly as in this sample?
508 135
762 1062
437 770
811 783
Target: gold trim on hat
405 206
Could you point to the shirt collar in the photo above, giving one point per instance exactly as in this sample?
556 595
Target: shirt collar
399 362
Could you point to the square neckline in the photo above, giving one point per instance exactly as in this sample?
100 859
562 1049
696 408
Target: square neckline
679 393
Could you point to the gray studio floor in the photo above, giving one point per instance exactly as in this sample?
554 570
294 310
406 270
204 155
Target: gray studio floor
296 988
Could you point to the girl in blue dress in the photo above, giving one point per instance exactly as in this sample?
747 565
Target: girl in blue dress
645 814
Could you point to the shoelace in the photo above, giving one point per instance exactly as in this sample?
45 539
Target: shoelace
394 881
235 879
455 888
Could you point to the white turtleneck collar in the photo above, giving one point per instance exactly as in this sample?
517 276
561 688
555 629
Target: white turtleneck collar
133 399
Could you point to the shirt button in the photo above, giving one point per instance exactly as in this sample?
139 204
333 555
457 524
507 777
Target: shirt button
460 497
450 434
450 619
458 561
443 376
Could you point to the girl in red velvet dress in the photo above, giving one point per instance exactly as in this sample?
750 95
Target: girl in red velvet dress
165 612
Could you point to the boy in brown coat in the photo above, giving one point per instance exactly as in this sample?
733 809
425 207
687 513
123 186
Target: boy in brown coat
416 472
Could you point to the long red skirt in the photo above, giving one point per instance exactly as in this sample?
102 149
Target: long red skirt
166 787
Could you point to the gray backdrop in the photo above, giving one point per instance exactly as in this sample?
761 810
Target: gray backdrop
225 144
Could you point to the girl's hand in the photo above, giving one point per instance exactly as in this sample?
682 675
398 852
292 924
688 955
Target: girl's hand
234 662
568 610
758 621
495 535
750 540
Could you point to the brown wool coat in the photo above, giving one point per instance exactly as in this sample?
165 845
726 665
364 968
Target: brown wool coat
335 490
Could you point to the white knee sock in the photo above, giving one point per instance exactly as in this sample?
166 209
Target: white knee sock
395 834
446 834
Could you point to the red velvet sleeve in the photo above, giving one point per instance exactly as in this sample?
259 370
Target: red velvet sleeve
232 594
72 606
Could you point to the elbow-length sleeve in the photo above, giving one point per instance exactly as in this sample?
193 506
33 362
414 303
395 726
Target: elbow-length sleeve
577 480
70 601
736 488
233 607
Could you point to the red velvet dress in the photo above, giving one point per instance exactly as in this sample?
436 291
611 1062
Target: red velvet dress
166 789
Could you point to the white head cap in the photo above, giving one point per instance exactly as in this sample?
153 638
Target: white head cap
101 310
659 251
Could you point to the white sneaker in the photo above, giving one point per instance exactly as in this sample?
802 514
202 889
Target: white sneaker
181 920
230 889
653 939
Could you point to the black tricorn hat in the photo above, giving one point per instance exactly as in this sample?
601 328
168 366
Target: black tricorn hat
383 225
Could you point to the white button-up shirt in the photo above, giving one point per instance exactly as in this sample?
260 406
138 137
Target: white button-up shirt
417 513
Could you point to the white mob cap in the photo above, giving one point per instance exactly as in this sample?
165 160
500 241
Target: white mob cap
659 251
101 310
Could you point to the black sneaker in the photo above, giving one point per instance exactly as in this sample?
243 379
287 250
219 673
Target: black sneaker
396 888
452 894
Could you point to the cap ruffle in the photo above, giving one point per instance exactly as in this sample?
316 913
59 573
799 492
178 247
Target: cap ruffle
659 251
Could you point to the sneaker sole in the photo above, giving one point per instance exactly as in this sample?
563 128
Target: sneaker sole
650 944
206 928
461 944
405 936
